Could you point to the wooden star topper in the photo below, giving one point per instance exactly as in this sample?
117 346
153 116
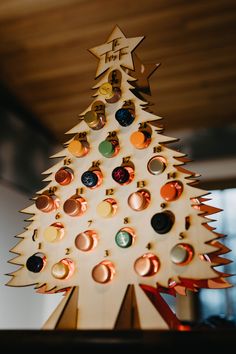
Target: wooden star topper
116 51
142 73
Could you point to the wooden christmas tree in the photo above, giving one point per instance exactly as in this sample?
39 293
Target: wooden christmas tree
120 220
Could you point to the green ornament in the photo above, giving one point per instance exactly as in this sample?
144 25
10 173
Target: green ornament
123 239
106 148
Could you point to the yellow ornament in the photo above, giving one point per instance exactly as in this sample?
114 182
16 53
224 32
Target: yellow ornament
76 148
106 90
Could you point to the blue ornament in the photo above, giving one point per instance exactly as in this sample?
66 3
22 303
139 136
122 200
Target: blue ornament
35 264
124 117
89 179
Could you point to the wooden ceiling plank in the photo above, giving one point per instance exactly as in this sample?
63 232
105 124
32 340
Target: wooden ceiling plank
16 8
44 59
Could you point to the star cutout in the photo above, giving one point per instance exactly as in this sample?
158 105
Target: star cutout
116 51
142 73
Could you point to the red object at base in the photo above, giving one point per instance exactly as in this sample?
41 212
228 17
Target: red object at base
162 307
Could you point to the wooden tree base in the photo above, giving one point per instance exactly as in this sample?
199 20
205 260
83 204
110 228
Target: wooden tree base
66 313
65 316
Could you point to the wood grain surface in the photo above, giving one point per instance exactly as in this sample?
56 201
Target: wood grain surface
44 59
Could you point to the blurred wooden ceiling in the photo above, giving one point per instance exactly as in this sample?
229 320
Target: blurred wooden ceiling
45 63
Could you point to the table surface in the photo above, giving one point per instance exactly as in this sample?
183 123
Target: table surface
105 341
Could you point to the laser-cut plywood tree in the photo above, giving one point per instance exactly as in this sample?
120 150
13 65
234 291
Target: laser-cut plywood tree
120 219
